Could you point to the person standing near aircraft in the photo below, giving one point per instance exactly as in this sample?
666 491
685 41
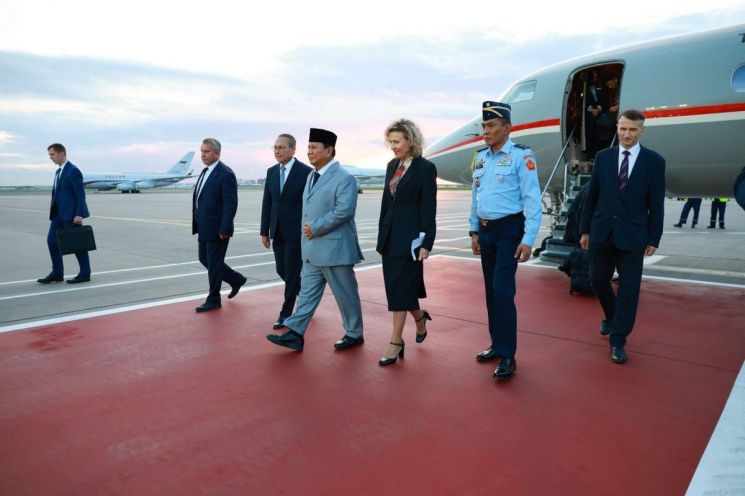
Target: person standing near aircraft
68 207
281 213
621 223
329 246
408 208
718 206
691 203
214 204
504 221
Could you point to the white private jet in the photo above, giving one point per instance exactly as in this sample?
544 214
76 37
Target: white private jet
133 182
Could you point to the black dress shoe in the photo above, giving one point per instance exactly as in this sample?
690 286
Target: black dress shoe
50 278
425 317
679 224
78 279
487 355
290 339
280 324
618 355
234 289
207 306
506 368
347 342
605 327
384 362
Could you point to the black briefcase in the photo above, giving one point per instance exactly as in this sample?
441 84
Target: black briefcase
74 239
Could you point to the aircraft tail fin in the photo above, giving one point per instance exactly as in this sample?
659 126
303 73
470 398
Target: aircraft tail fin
182 166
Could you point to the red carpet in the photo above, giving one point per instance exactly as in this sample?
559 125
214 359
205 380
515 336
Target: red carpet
164 401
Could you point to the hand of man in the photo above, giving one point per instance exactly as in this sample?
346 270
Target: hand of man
650 250
584 241
77 220
522 254
223 237
423 254
265 241
475 246
307 231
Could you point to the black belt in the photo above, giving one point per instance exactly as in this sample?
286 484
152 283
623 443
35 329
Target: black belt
495 222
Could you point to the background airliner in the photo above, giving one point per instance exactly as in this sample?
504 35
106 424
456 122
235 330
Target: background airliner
691 88
133 182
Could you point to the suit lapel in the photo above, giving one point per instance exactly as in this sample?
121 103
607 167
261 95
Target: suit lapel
408 175
325 177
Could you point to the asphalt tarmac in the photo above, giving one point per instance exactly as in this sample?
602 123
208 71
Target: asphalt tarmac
146 253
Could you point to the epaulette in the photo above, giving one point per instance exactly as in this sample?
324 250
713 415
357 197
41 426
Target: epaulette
482 149
522 147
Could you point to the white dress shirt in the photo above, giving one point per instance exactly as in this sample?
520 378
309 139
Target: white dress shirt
633 155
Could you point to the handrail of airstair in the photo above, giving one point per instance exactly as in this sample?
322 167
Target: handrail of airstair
556 165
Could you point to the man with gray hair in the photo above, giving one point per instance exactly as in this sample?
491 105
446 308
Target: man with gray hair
214 204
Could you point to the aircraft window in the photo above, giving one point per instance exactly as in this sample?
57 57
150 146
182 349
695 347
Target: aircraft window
738 79
521 92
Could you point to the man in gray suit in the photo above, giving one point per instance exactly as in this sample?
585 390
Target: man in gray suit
329 246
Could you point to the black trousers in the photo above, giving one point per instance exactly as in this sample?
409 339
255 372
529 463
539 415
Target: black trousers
212 256
498 243
717 207
289 263
620 309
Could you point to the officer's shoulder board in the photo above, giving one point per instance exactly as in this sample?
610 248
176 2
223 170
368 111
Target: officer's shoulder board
482 149
522 147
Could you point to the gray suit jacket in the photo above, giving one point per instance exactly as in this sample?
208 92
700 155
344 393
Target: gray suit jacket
329 208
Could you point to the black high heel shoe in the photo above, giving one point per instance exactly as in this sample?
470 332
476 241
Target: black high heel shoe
390 361
425 318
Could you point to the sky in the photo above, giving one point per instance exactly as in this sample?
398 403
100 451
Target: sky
133 86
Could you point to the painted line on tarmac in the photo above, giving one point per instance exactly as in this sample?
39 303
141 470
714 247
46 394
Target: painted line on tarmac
141 306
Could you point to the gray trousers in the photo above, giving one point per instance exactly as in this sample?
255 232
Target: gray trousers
343 284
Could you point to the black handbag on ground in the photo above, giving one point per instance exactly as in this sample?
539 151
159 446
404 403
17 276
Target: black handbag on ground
74 239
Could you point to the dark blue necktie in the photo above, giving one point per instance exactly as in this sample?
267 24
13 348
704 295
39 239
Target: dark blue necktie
316 177
281 178
623 174
54 186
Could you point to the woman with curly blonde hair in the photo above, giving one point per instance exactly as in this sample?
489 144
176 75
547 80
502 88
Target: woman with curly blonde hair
407 209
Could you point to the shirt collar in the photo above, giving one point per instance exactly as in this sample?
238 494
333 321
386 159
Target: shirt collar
505 148
288 164
326 167
634 150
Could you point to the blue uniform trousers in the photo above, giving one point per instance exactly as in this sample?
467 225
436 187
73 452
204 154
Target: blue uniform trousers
56 256
498 242
620 309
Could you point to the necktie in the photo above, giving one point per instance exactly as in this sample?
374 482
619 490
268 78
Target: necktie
56 178
396 178
316 177
623 174
198 188
281 178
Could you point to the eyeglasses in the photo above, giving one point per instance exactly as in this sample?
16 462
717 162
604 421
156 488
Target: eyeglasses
277 148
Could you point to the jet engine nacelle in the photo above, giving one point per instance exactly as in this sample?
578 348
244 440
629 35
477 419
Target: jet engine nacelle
145 185
125 187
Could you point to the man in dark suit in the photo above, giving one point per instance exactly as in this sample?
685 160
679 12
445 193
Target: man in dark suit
214 204
281 215
622 222
68 207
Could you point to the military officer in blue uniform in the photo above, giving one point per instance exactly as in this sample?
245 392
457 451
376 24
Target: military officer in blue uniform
504 221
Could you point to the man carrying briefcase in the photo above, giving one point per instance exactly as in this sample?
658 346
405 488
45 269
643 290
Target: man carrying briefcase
68 207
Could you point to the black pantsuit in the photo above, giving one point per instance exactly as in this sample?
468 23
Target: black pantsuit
403 216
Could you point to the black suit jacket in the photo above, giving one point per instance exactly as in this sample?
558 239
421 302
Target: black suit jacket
284 211
634 215
411 211
213 212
